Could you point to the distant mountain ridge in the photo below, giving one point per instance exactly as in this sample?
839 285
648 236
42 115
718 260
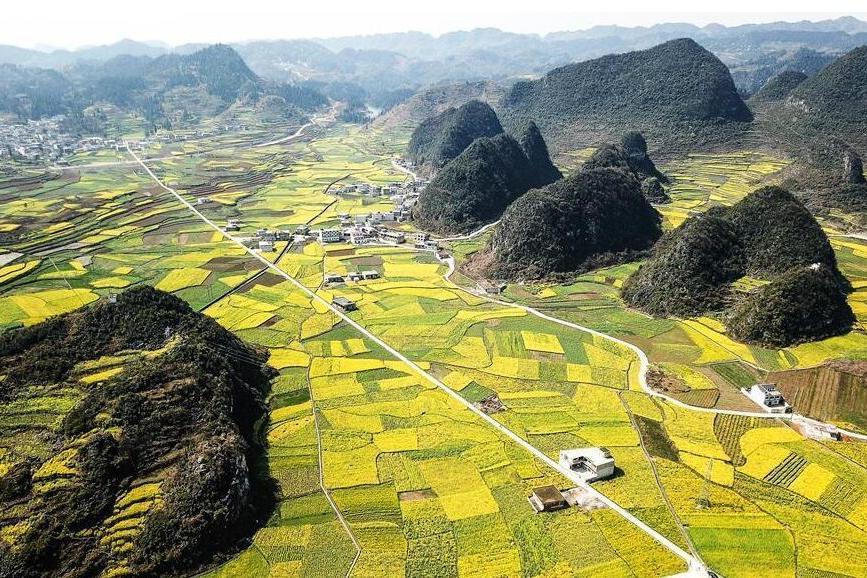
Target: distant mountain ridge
162 89
385 62
660 91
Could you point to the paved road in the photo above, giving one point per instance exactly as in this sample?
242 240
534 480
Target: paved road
291 137
695 566
399 167
472 235
642 357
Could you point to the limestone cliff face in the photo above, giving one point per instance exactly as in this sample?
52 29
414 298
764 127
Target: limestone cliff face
853 169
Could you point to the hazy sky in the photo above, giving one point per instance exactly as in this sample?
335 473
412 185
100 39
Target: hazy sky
73 23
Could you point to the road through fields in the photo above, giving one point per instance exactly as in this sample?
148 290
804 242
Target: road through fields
695 566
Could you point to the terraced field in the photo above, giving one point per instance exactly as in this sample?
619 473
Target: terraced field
381 472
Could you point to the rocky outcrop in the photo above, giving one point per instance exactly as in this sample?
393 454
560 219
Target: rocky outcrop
853 168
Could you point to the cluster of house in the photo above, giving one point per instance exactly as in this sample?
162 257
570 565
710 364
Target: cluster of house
768 397
590 464
403 196
264 239
45 140
367 233
170 136
334 278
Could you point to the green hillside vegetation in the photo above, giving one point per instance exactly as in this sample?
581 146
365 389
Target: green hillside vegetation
779 87
653 191
676 91
434 100
689 270
631 156
173 88
481 182
764 236
846 194
534 147
592 218
824 116
142 453
441 138
803 304
776 232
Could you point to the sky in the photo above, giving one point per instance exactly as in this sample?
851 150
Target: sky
76 23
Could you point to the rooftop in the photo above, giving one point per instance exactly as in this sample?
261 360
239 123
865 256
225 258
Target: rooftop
549 495
593 455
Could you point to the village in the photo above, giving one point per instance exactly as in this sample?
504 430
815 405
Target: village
47 141
357 229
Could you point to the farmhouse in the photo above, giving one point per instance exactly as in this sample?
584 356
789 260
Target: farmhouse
355 276
370 274
266 246
589 463
344 304
547 499
233 225
492 287
265 234
491 404
768 397
333 278
358 235
330 235
393 236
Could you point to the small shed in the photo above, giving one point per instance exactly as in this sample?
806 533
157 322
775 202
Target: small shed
547 499
344 304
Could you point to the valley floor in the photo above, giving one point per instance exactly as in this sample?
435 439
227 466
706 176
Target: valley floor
385 465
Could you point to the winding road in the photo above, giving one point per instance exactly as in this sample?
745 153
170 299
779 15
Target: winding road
695 567
644 362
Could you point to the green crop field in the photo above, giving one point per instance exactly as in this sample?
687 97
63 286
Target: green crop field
381 472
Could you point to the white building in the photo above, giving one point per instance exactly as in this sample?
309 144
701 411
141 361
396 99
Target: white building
392 236
768 397
589 463
266 246
358 236
330 236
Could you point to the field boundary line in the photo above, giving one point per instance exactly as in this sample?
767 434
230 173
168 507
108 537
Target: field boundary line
322 486
694 566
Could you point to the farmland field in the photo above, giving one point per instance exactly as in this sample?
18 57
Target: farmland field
383 473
